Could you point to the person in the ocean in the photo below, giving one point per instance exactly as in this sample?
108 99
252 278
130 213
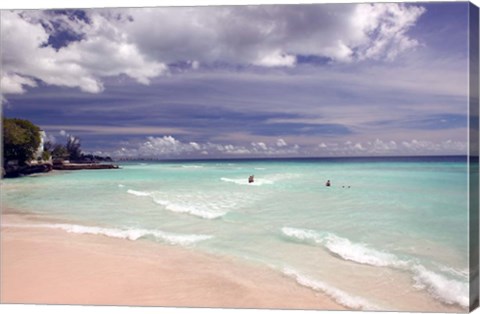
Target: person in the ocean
250 179
328 183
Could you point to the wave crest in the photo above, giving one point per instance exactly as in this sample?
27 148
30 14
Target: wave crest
128 234
449 291
347 250
336 294
179 208
138 193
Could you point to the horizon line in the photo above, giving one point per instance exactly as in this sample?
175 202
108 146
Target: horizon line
293 158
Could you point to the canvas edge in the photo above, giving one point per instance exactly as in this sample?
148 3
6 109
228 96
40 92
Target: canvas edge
473 99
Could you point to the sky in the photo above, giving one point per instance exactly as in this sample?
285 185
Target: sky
243 81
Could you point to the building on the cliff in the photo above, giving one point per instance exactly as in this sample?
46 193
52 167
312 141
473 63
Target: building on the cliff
39 152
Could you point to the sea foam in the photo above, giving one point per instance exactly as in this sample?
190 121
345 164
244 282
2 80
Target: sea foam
192 210
347 250
178 207
128 234
449 291
138 193
336 294
459 273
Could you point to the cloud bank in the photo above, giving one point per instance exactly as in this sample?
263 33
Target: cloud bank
79 49
168 147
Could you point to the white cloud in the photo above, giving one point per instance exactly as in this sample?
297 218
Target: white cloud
386 26
281 142
358 146
168 146
380 147
276 59
195 65
14 84
441 146
195 145
274 35
259 146
140 43
103 52
234 150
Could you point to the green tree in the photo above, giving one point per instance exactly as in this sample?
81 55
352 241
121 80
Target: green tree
59 152
73 148
21 139
46 155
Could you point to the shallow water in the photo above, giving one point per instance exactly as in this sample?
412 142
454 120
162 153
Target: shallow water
389 234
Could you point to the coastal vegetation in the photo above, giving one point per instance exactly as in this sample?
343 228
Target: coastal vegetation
21 139
25 152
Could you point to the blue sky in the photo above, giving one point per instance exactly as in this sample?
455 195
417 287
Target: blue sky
261 81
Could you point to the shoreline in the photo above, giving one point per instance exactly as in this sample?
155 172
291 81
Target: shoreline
46 167
84 166
51 266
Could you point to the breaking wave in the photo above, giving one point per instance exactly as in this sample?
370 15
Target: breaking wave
346 249
139 193
128 234
184 207
449 291
188 209
341 297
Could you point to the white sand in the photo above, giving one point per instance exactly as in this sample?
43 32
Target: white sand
47 266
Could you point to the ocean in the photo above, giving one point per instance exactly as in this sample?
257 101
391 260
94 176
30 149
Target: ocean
388 234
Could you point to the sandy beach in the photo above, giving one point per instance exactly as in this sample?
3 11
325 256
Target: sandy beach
48 266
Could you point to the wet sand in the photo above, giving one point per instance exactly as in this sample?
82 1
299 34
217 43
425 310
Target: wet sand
49 266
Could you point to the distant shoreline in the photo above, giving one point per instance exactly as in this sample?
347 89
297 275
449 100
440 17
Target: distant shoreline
85 166
46 167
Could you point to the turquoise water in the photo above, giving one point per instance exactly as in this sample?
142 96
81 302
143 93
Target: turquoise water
388 234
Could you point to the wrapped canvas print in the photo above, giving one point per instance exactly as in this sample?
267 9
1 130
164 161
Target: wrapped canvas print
303 156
